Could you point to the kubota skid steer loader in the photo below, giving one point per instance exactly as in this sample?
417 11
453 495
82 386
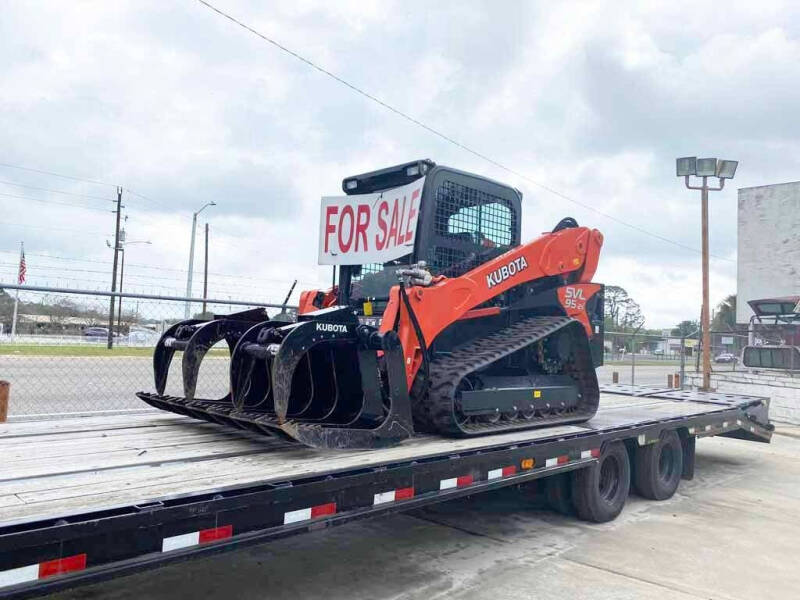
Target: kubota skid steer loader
459 329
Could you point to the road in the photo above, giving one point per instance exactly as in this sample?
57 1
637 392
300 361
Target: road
44 385
731 533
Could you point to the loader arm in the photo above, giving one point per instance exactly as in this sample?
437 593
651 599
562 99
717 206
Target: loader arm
572 250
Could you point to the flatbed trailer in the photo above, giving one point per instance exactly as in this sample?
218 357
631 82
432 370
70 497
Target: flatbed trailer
87 499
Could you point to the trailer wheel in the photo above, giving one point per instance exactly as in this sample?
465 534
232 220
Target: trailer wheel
599 492
558 492
657 467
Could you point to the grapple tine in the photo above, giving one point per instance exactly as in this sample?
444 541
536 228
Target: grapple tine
395 427
250 381
200 343
360 418
165 350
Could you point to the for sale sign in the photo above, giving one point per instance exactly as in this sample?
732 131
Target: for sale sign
369 228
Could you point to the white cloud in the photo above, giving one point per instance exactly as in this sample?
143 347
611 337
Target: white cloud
594 99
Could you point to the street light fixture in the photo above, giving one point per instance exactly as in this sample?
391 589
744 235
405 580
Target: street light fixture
705 167
191 255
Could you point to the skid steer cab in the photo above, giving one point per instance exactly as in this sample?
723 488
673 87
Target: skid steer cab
439 321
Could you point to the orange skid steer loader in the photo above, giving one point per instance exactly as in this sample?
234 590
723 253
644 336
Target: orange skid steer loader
442 322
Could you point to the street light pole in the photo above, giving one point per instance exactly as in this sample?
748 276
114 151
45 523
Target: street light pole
705 317
121 279
705 168
191 256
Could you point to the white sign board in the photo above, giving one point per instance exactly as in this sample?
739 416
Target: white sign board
369 228
727 341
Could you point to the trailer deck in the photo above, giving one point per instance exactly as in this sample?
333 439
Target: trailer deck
83 499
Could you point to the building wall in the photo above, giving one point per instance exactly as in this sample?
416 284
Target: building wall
768 244
782 389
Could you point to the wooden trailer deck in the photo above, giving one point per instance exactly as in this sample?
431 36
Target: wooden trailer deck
55 469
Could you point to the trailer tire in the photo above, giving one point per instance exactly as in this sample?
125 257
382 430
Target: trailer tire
558 492
658 467
599 492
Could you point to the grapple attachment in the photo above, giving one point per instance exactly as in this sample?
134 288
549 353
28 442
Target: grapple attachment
326 381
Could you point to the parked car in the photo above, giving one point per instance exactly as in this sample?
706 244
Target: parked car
97 332
725 357
142 337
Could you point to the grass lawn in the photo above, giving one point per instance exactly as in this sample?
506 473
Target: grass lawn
83 350
643 362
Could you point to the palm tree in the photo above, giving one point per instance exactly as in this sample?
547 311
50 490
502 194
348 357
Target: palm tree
725 316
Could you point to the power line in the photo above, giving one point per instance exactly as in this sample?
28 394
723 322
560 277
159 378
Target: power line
55 202
33 187
43 172
157 268
442 135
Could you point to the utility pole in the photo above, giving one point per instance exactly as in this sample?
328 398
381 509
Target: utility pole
205 274
114 272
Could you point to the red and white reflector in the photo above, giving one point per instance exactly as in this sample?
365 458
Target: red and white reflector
312 512
593 453
556 460
49 568
393 495
500 473
195 538
455 482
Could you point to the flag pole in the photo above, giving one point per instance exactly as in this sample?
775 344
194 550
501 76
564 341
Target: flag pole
16 295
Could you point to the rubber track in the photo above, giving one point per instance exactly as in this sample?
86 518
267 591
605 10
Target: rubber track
436 411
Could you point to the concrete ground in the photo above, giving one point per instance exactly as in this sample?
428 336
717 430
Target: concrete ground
731 533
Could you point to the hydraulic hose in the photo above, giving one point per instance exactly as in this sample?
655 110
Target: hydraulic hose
418 332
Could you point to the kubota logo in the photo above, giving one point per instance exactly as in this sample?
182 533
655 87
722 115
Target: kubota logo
332 327
500 275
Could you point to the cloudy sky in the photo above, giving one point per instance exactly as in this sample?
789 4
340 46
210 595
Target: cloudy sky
182 107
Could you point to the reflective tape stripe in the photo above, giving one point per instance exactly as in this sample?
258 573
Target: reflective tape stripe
393 495
454 482
499 473
195 538
41 570
176 542
556 460
306 514
593 453
19 575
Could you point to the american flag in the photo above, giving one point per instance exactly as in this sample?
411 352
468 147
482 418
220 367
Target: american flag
22 268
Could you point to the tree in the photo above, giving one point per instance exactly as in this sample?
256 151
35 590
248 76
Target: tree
725 316
622 312
686 328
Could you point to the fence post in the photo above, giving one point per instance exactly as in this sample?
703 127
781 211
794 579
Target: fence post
4 389
614 377
678 381
683 360
670 381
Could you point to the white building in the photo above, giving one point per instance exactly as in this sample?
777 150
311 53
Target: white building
768 244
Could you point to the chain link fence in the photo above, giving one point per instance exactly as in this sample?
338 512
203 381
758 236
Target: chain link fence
648 359
59 363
